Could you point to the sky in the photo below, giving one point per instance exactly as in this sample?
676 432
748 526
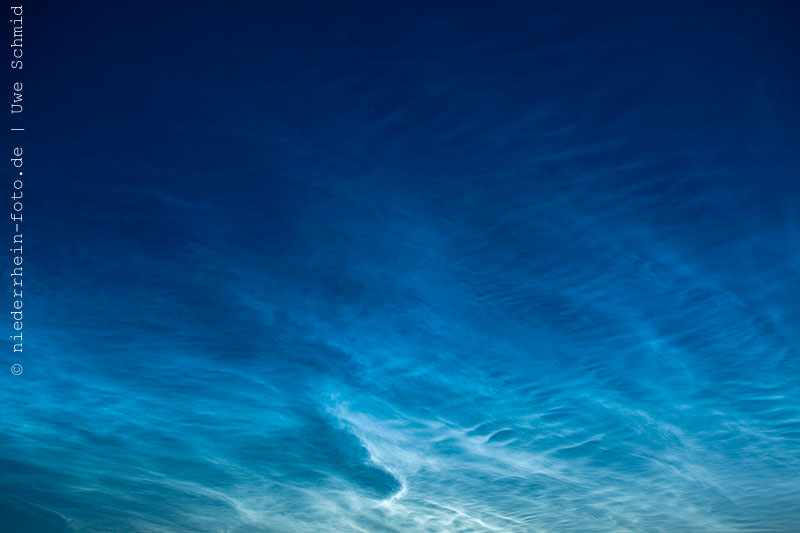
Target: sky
408 267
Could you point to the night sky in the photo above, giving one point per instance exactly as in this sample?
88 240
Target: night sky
407 267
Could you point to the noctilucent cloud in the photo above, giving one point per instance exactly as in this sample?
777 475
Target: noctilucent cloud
387 267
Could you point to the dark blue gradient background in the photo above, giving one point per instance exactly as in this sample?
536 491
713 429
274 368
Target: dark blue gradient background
408 268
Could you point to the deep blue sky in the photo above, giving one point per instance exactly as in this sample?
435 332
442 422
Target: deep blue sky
416 268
